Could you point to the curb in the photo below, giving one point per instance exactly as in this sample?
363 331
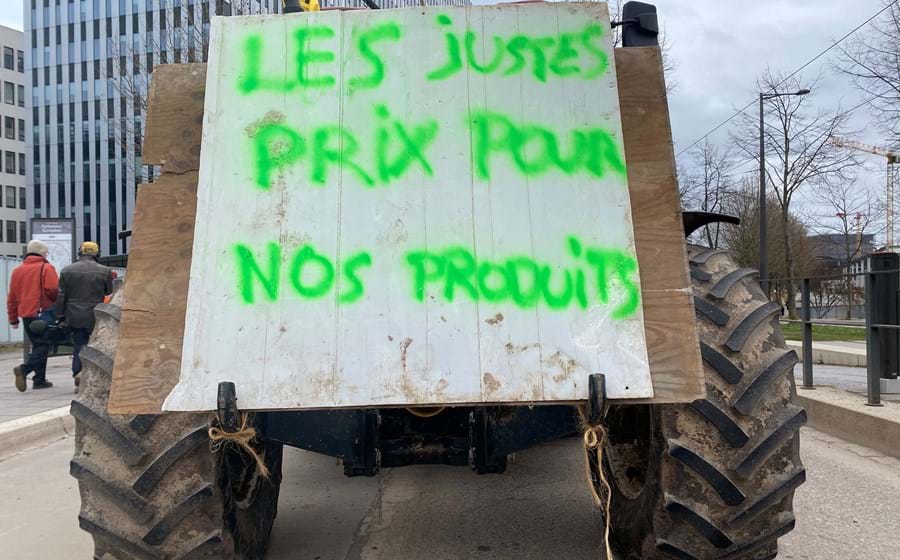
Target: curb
832 356
846 416
36 430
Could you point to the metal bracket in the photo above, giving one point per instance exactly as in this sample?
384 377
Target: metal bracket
596 398
227 412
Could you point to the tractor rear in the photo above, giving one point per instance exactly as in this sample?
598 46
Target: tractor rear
709 477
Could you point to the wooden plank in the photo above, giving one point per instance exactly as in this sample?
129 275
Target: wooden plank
148 356
140 386
175 117
670 327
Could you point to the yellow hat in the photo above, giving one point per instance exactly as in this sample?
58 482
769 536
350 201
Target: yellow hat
89 248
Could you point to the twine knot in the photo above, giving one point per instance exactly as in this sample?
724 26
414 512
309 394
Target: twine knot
241 439
594 437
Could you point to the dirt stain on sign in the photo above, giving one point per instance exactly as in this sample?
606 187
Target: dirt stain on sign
491 384
495 320
565 364
404 345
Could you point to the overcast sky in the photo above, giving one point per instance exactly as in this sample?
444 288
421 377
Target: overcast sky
721 46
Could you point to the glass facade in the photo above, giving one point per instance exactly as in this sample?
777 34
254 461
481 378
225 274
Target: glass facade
87 66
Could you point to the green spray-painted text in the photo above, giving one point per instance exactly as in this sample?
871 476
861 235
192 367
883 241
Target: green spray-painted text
395 149
592 276
559 55
534 150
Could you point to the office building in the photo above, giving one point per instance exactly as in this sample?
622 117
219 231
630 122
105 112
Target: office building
87 70
13 230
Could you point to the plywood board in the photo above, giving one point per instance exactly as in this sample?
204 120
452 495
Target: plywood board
175 117
144 375
379 229
148 355
670 327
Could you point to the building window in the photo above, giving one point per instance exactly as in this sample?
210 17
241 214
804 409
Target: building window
9 93
8 58
23 234
22 199
9 162
21 130
1 230
9 127
10 197
20 62
21 164
21 91
10 231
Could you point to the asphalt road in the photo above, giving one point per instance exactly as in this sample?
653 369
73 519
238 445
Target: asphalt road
848 509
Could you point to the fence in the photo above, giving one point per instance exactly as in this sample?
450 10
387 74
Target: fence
8 335
882 323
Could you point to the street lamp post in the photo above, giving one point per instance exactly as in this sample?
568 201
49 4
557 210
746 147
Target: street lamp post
763 241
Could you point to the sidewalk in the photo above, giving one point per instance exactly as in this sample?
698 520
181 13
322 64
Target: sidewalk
850 379
852 354
14 405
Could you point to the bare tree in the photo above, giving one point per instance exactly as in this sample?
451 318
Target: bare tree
799 152
179 34
872 61
825 293
849 213
743 239
708 185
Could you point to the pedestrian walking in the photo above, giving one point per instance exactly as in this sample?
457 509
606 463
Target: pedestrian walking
82 285
32 294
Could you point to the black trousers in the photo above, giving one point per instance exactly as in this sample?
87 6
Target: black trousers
80 337
40 348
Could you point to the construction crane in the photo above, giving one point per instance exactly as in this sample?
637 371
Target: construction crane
892 158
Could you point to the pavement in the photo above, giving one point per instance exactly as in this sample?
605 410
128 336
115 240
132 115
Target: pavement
851 379
853 345
14 405
539 510
838 353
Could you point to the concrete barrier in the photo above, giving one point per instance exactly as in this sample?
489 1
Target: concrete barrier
36 430
824 353
846 416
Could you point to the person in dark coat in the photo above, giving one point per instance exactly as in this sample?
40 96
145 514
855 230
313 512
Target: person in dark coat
82 285
32 293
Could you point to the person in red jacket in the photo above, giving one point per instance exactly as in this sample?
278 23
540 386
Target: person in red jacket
32 295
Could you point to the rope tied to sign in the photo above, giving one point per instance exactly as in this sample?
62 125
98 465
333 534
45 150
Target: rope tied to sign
241 439
594 437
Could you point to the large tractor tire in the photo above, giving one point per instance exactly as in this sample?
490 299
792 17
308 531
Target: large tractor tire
150 485
715 478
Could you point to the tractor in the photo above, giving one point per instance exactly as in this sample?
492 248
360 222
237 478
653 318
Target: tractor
707 476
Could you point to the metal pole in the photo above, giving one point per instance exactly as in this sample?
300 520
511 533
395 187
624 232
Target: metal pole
763 242
807 336
873 375
890 204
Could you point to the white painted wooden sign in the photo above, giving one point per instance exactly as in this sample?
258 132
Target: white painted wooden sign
412 206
